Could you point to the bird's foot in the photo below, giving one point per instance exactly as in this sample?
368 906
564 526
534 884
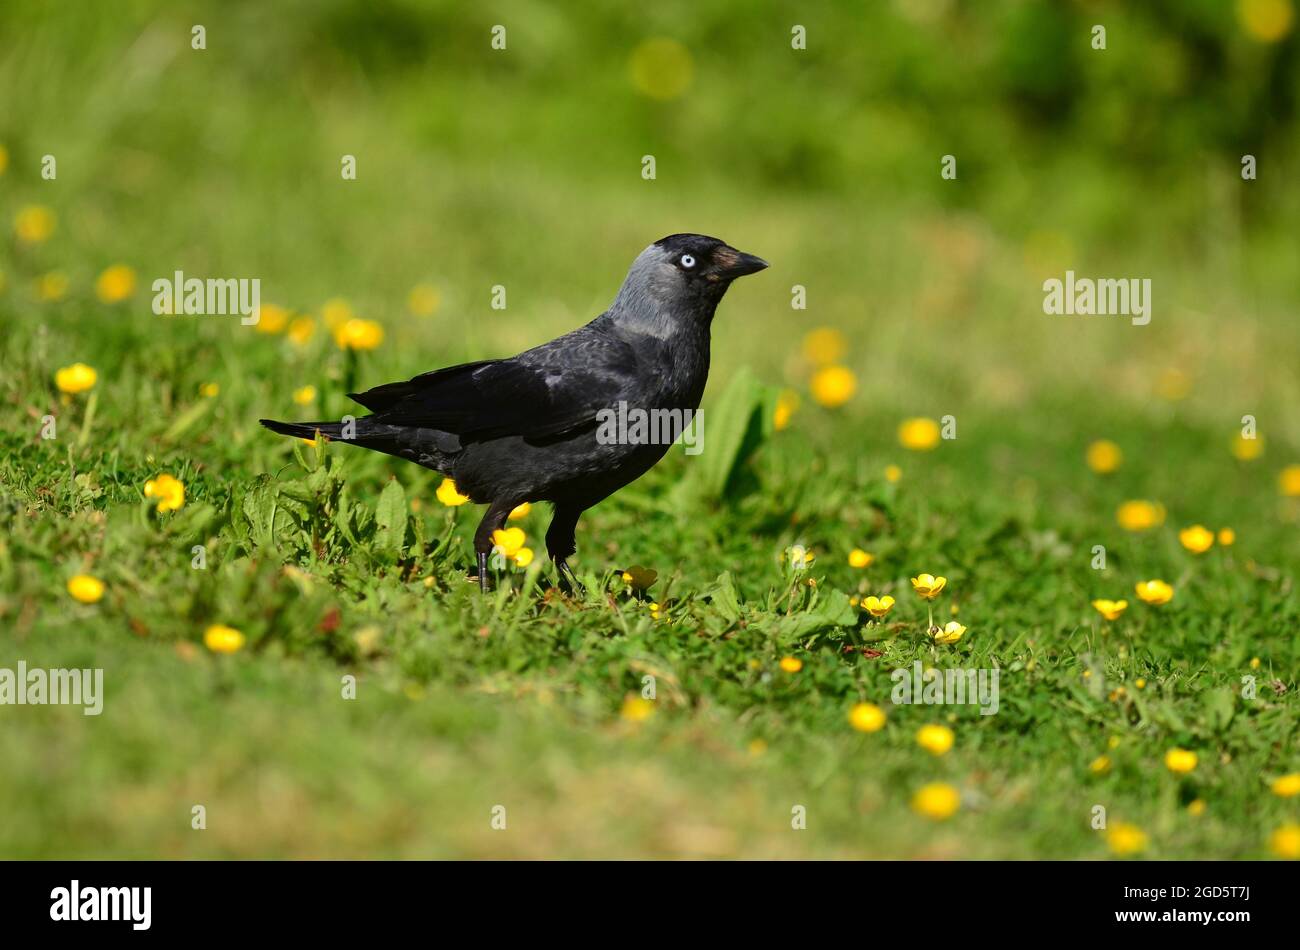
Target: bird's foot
568 580
482 572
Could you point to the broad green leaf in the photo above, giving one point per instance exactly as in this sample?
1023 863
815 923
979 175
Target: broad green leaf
733 428
722 594
390 519
836 608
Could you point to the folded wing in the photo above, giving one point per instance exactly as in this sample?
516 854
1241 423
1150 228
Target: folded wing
547 391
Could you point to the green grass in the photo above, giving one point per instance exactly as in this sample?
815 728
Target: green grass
227 166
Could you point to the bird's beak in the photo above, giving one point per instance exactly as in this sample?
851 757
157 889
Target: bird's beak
733 263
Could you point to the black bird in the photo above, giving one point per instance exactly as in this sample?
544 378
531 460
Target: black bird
526 428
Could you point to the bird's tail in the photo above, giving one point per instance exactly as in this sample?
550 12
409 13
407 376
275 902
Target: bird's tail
304 430
425 447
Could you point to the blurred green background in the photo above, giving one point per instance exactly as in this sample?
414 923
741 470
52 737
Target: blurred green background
522 167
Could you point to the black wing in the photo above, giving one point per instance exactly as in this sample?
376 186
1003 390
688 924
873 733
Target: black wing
543 392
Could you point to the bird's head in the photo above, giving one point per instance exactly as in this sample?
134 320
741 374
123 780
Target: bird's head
686 272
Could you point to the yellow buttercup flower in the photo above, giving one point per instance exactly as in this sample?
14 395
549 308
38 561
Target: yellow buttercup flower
791 664
859 558
519 511
222 639
833 386
76 378
1246 450
169 491
867 717
878 606
305 395
1288 482
1285 842
34 224
893 473
824 346
936 740
661 68
637 709
928 586
423 300
1198 539
1140 515
85 588
272 319
210 390
952 632
448 495
786 405
301 330
1286 786
509 540
936 801
52 287
1099 765
367 638
1125 839
1265 21
1227 537
1196 807
1180 760
1110 609
115 284
919 434
1154 592
1104 456
358 335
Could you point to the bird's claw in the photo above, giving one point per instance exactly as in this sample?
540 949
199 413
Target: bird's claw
569 580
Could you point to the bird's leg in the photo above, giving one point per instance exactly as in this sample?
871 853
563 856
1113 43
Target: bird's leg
493 520
560 543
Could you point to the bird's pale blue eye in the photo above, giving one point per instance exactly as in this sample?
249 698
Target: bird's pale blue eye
688 261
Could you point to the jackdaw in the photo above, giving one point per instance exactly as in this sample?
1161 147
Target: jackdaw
526 428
